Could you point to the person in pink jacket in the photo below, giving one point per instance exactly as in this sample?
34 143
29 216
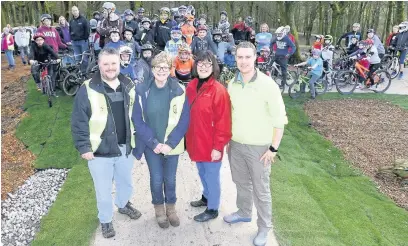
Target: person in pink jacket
7 45
52 37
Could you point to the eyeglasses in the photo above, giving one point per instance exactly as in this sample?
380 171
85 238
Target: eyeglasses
204 64
162 69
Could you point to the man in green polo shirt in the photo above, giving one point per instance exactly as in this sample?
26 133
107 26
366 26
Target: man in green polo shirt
258 120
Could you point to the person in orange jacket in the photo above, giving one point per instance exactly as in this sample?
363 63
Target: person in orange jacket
183 63
188 30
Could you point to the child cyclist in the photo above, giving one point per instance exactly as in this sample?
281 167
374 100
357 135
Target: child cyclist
183 63
361 57
315 64
126 64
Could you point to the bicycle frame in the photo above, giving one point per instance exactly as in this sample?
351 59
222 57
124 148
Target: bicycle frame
361 70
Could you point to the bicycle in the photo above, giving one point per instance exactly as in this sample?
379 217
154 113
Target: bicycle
350 79
390 62
276 75
227 74
302 81
45 79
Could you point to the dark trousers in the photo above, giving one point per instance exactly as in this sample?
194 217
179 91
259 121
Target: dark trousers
373 68
282 61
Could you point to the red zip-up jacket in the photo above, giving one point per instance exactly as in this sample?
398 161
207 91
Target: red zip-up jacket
210 119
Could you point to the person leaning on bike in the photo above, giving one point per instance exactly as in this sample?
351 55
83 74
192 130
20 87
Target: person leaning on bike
41 52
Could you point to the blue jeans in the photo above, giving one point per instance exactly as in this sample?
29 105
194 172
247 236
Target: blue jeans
104 171
210 179
162 171
23 53
80 47
10 58
403 54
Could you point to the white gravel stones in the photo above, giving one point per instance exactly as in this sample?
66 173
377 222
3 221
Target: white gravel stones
22 211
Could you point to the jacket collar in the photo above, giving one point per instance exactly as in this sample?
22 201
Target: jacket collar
209 83
175 88
96 83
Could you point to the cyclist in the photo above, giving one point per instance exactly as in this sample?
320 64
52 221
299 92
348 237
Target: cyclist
241 31
356 32
284 49
327 55
263 38
126 62
265 57
375 60
222 46
94 37
188 30
223 24
111 21
146 34
96 15
401 44
390 39
202 42
41 52
318 43
131 43
362 58
229 58
377 42
52 38
114 36
143 66
130 21
163 28
183 63
315 64
182 10
174 43
202 20
353 47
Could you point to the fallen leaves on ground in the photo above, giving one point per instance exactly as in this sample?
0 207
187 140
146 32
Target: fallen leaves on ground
372 134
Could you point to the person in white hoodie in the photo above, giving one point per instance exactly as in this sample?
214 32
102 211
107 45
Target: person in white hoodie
375 60
22 39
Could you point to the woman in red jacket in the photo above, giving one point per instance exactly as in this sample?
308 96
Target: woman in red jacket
209 130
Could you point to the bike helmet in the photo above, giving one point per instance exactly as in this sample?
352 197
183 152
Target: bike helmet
111 7
125 50
224 13
319 36
147 46
165 10
175 32
370 31
369 42
280 32
190 17
287 28
403 26
191 10
145 19
38 35
184 52
202 27
216 32
316 52
128 12
128 29
248 20
329 38
182 7
45 16
114 30
93 24
266 50
140 10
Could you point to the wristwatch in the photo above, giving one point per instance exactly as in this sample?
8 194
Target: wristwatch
271 148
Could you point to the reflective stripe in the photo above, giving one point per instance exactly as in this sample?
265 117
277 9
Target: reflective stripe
176 107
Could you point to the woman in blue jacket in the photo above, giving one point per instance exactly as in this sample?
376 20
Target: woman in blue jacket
161 116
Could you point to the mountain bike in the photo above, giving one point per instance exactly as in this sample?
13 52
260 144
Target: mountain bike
390 62
45 79
302 81
227 74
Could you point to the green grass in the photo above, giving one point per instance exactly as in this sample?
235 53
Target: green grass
46 132
318 199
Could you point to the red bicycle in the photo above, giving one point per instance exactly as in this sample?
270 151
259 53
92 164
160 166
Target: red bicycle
45 79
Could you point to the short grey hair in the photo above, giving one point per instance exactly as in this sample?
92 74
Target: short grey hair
246 45
108 51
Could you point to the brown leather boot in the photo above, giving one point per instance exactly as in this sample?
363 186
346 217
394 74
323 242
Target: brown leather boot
161 216
172 214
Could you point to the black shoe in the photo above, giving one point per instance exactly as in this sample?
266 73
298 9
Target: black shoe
199 203
207 215
130 211
107 230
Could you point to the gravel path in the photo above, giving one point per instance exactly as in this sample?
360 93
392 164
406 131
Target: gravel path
22 211
146 232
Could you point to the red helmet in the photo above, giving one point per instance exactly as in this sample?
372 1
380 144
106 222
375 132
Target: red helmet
369 41
38 35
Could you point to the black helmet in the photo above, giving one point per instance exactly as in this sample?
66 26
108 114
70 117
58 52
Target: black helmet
140 10
147 46
371 31
45 16
96 13
128 29
114 30
217 32
145 19
224 13
128 12
248 20
182 7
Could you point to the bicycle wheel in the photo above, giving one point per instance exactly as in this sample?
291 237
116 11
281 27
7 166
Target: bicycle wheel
48 89
70 85
386 61
291 77
63 73
346 82
394 68
321 86
91 65
382 81
278 81
294 89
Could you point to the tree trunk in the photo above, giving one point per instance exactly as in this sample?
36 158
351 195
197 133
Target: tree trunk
3 14
288 17
400 12
132 6
321 17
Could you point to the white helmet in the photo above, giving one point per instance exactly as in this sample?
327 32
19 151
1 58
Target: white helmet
280 32
403 27
125 50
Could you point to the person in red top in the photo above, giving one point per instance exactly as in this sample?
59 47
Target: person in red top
209 130
318 43
390 37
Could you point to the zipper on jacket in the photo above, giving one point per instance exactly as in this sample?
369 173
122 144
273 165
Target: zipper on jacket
114 124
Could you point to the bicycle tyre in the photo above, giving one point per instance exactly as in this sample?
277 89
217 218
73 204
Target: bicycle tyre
61 76
394 68
70 87
346 78
388 77
294 89
291 76
321 86
281 85
48 89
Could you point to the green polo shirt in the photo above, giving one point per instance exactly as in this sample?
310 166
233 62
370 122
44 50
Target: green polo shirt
257 108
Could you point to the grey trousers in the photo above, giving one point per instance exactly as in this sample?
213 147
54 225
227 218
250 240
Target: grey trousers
252 180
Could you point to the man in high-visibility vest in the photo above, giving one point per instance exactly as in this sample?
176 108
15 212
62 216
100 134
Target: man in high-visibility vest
104 136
